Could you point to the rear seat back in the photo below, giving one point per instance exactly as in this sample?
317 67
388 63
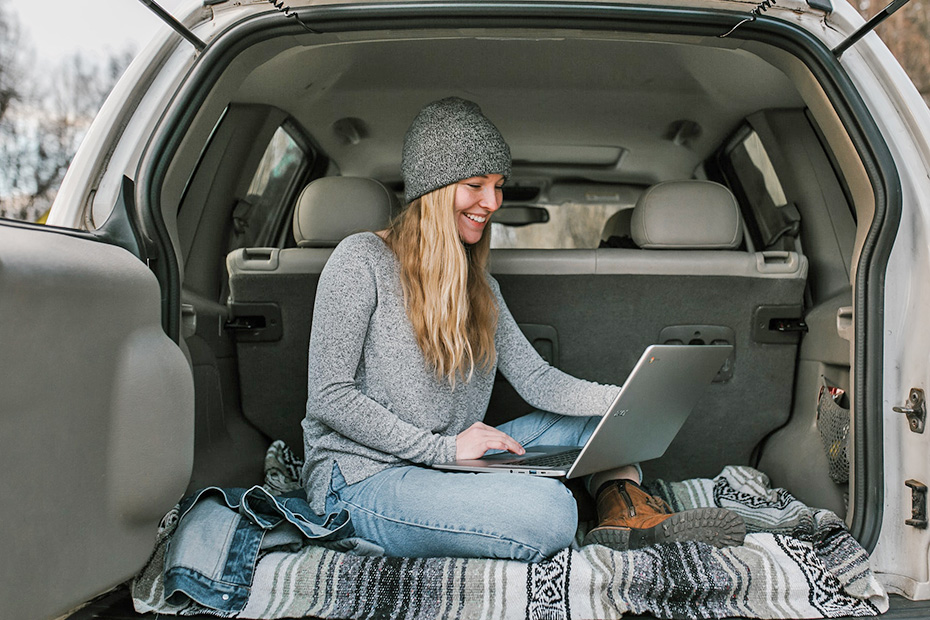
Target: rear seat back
272 293
596 310
591 312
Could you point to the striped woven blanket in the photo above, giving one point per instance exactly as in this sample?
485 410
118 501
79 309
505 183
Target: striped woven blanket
797 562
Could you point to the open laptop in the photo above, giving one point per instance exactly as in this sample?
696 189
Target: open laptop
639 425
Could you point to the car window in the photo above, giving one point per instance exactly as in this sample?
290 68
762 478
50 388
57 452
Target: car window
570 225
258 219
755 182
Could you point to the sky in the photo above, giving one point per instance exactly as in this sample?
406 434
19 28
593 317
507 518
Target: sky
58 28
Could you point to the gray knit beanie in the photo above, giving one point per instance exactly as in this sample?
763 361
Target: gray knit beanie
448 141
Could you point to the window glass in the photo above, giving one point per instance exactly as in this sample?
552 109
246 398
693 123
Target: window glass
281 157
767 185
761 190
257 219
570 225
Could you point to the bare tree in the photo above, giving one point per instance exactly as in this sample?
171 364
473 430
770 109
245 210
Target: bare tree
44 123
9 58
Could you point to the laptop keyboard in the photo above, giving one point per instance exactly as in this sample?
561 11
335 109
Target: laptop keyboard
562 459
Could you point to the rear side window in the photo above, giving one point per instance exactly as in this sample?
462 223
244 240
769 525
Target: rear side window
565 215
259 218
771 219
569 226
241 192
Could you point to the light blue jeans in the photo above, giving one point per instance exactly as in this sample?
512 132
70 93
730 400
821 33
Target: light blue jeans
415 511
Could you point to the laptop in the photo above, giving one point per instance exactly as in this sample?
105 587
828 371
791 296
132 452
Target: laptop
639 425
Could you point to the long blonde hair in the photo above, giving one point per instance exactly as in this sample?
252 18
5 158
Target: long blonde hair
446 292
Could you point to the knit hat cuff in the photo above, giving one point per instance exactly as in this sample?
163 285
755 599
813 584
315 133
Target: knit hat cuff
448 141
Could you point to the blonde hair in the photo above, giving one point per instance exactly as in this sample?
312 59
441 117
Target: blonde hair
446 292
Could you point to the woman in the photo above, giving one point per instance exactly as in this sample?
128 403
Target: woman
408 331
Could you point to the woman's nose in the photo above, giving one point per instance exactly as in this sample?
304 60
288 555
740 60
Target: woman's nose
490 199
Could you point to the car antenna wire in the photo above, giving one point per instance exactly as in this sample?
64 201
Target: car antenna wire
757 10
289 12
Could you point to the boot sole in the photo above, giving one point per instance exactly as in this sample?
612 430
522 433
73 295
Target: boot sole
715 526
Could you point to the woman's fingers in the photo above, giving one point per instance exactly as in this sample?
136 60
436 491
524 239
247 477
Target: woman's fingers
478 438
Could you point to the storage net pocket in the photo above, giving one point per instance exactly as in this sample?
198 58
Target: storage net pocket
833 423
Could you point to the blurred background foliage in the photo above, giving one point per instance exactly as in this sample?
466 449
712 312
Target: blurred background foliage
45 111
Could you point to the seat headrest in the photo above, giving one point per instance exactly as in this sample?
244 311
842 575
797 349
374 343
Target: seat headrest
687 215
332 208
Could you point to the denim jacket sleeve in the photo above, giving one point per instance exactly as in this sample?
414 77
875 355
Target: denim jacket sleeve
212 554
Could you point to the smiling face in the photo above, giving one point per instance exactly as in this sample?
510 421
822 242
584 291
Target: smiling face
476 198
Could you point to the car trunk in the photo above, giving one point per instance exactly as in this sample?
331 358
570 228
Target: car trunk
602 306
613 99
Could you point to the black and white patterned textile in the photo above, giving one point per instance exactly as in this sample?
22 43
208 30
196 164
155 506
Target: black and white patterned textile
796 562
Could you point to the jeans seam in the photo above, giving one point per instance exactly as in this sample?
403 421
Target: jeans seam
540 432
440 529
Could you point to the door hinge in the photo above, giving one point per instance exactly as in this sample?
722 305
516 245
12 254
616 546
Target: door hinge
915 410
918 504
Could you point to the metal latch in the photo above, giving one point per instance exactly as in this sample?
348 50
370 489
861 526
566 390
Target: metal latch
255 322
788 325
918 504
245 323
778 324
915 410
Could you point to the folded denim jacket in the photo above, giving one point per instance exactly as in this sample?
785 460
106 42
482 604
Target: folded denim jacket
212 555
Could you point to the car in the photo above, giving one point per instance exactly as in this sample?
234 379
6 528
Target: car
154 331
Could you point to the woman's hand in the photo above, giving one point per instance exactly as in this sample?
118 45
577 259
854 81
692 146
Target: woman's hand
478 438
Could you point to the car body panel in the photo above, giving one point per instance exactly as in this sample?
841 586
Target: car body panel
96 312
96 419
902 551
831 29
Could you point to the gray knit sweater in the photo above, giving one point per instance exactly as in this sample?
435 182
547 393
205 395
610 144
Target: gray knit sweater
373 403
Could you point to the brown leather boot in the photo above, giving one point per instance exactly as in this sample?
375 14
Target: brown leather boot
630 518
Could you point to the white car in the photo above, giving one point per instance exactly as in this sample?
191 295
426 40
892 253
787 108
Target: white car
153 335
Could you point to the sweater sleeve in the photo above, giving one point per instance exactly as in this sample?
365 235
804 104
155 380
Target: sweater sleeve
541 385
346 298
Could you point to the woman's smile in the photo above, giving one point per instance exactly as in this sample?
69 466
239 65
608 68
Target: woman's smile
476 198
